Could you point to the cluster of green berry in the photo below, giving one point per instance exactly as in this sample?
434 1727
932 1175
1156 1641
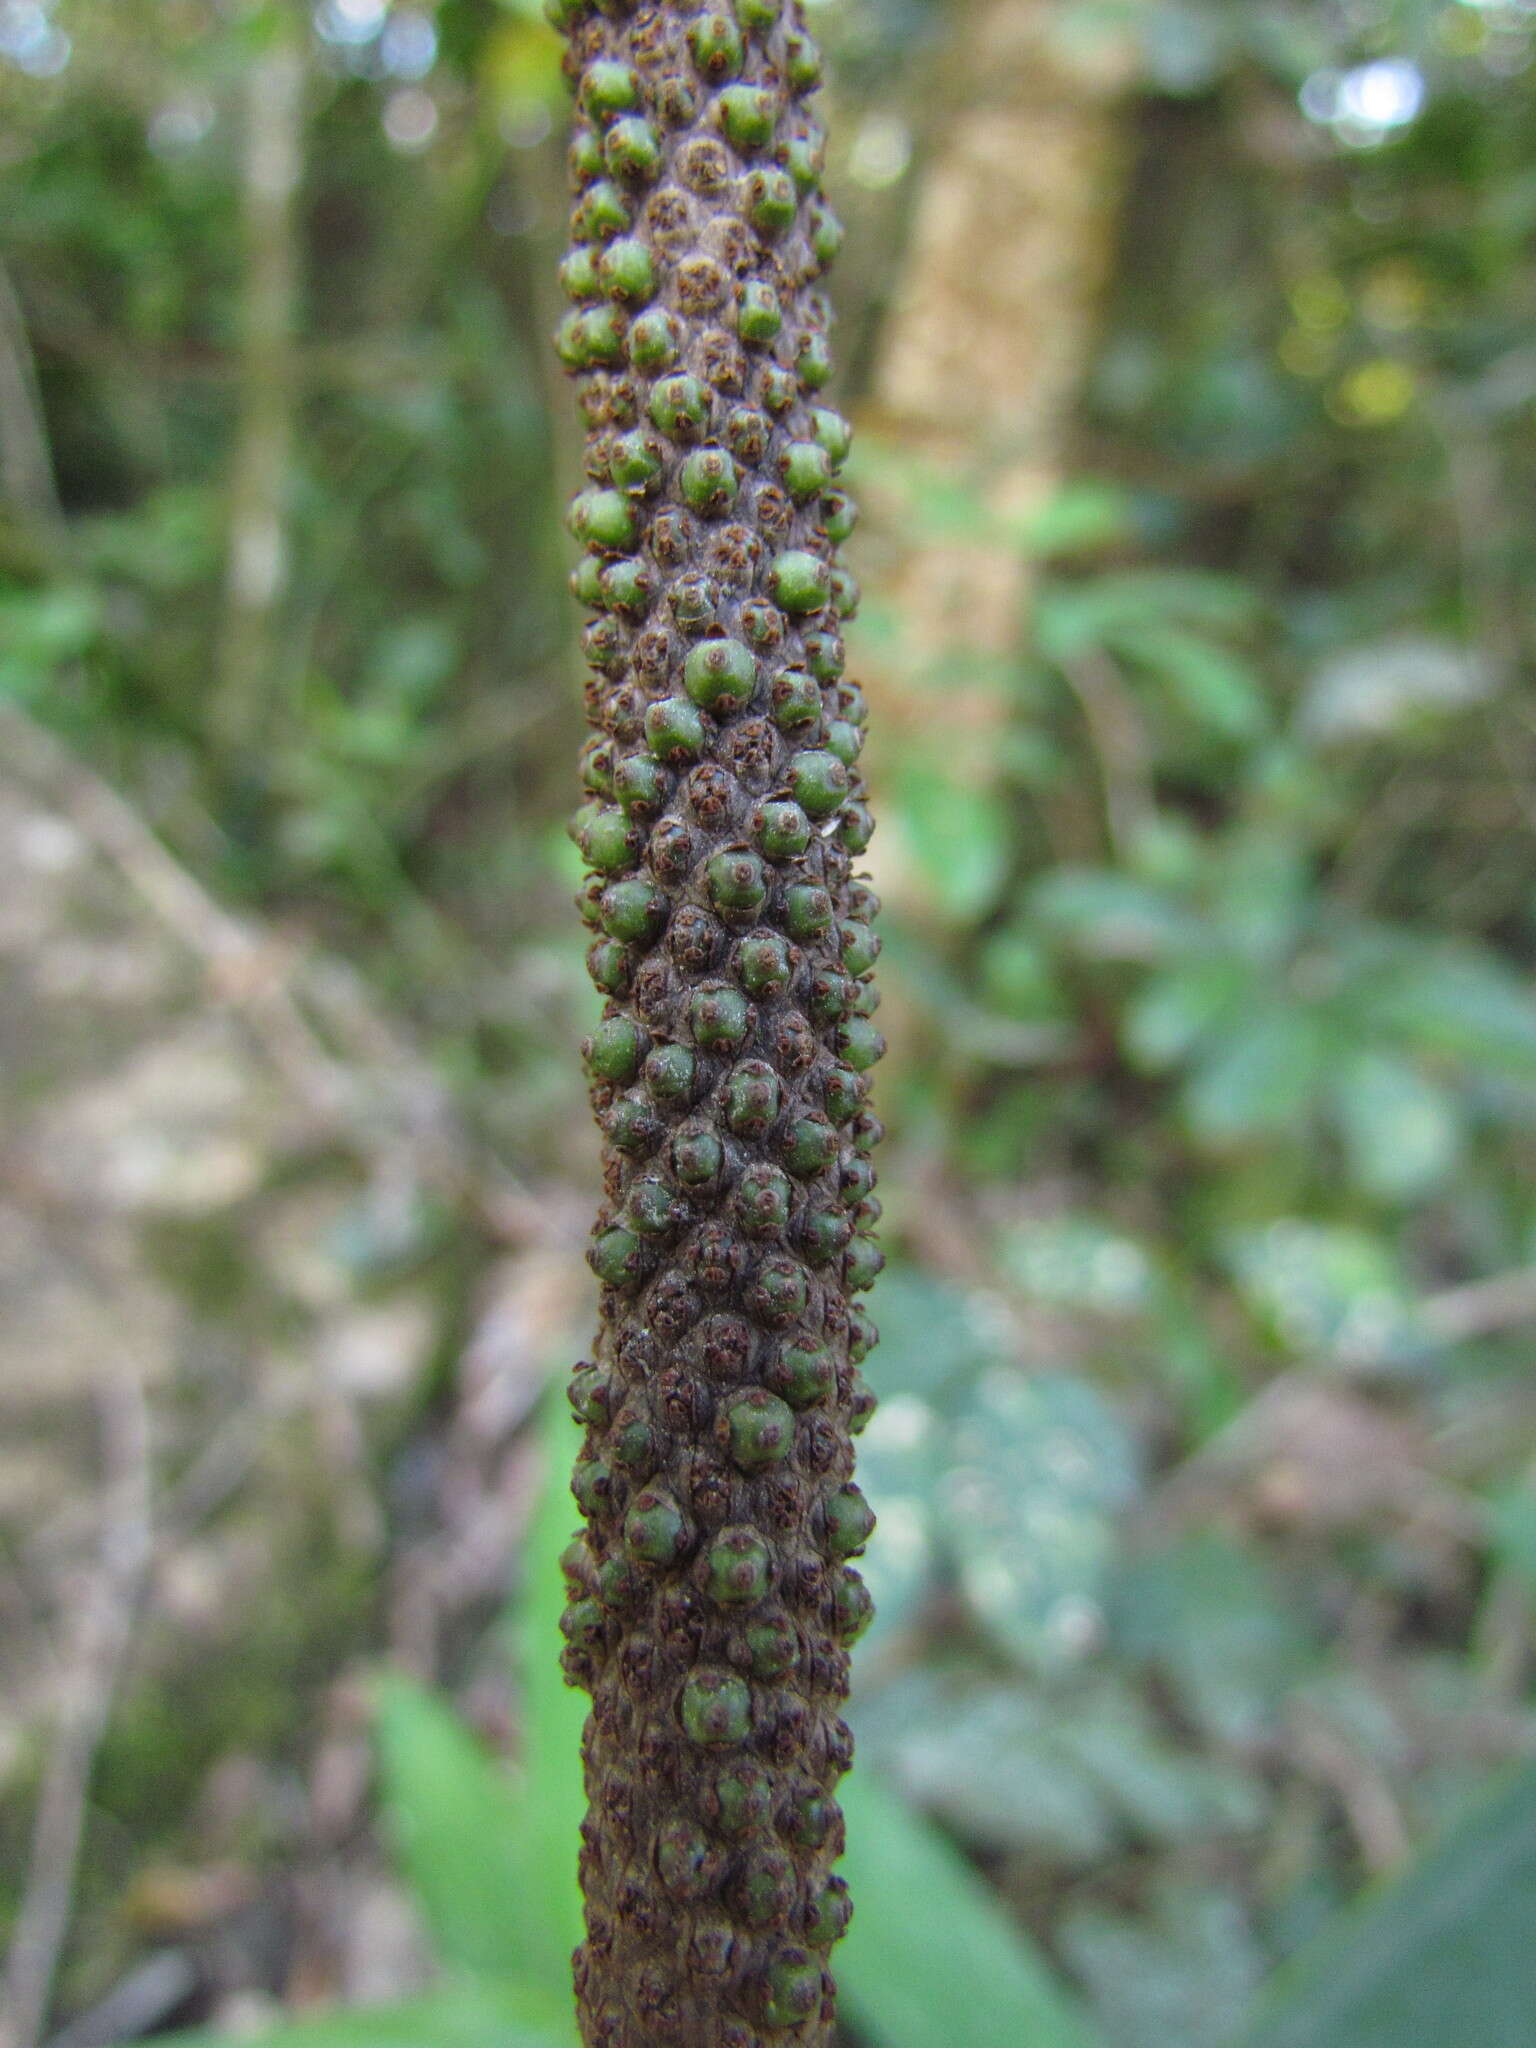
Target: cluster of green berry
711 1603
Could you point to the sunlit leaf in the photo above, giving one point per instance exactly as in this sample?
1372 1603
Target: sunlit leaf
1402 1135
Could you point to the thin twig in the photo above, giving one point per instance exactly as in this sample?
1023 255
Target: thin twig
104 1628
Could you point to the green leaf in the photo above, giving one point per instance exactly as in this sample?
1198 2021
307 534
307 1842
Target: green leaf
1402 1135
457 1824
1215 688
460 2016
1179 1006
1327 1288
1441 1957
1458 1003
1106 916
1259 1078
1038 1469
1184 1972
932 1960
959 836
1211 1619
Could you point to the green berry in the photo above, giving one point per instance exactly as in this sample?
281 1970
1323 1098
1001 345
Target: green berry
783 830
861 947
687 1864
801 581
717 47
758 314
863 1264
861 1404
831 996
719 1017
639 784
631 1125
804 161
583 1624
608 88
679 405
671 1074
839 516
751 1099
654 1529
709 481
586 153
588 1393
762 1201
654 1209
601 212
747 115
810 1146
802 61
604 520
791 1990
761 1430
762 963
804 1375
819 781
826 235
824 656
846 595
626 270
736 1567
719 675
824 1235
852 1608
834 434
770 205
580 275
613 1051
634 461
609 842
794 699
860 1043
633 912
777 388
807 469
844 740
609 965
654 341
633 148
716 1707
757 14
737 884
772 1645
674 731
697 1157
628 585
740 1800
856 827
807 912
814 362
843 1093
849 1521
587 582
616 1258
828 1919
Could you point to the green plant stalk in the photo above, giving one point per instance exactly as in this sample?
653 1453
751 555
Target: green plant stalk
711 1601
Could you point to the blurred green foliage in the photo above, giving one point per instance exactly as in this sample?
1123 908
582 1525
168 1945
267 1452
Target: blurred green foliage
1207 1565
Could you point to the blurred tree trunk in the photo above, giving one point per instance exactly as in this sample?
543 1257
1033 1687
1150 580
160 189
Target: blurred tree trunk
256 576
993 321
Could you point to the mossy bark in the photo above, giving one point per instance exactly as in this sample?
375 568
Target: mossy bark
711 1601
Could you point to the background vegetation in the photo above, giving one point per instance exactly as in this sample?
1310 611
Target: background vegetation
1200 650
